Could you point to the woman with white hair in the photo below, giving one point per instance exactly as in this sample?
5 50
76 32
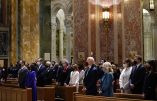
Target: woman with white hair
106 86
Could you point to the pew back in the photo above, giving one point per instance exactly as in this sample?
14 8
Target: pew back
67 92
15 94
131 96
46 93
80 97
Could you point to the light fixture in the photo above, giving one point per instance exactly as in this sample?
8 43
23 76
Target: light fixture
106 14
151 5
106 18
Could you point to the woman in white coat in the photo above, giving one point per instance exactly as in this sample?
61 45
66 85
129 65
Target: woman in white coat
124 77
74 76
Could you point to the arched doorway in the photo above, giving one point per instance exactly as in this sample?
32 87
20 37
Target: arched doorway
61 30
60 17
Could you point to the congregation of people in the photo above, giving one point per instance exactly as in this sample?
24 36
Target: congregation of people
133 77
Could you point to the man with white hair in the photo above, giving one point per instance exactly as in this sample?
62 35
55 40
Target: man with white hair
91 77
49 74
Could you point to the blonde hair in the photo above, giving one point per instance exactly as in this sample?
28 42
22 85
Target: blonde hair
107 66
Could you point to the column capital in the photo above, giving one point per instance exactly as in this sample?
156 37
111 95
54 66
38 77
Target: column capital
68 21
53 23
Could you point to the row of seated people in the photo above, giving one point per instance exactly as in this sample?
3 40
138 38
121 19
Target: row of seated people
135 77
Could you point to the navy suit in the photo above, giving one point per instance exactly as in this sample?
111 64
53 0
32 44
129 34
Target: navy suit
137 78
150 85
22 77
40 75
90 80
48 76
63 75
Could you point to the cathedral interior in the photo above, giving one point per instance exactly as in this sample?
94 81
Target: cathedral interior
78 50
75 29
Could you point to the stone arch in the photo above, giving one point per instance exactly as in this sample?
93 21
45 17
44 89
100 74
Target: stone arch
56 6
69 7
66 6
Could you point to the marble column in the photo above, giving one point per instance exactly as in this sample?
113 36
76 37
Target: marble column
61 40
53 38
29 29
115 24
148 37
68 37
13 54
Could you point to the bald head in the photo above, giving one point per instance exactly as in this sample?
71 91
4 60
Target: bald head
90 61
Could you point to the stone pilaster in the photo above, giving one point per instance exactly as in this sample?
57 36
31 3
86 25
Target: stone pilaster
53 38
61 34
68 37
13 32
29 30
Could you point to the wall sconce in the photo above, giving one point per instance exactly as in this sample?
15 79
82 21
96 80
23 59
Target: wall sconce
106 14
106 18
151 5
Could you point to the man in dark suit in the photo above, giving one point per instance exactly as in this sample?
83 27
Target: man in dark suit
22 74
63 73
40 72
150 83
49 74
137 76
91 77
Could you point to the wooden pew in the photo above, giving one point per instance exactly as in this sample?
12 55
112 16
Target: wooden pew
131 96
80 97
15 94
12 80
67 92
10 85
43 93
117 91
46 93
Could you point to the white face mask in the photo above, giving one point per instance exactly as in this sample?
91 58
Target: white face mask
125 65
38 63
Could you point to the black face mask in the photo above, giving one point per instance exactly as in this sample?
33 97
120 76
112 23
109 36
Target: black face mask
47 66
147 68
72 69
134 62
86 64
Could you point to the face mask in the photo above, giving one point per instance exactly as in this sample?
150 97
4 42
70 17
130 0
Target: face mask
38 63
72 69
134 62
148 68
125 65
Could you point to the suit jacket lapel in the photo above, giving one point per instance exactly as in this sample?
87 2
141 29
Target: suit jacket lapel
88 71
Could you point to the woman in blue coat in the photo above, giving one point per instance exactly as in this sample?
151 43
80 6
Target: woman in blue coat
106 85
